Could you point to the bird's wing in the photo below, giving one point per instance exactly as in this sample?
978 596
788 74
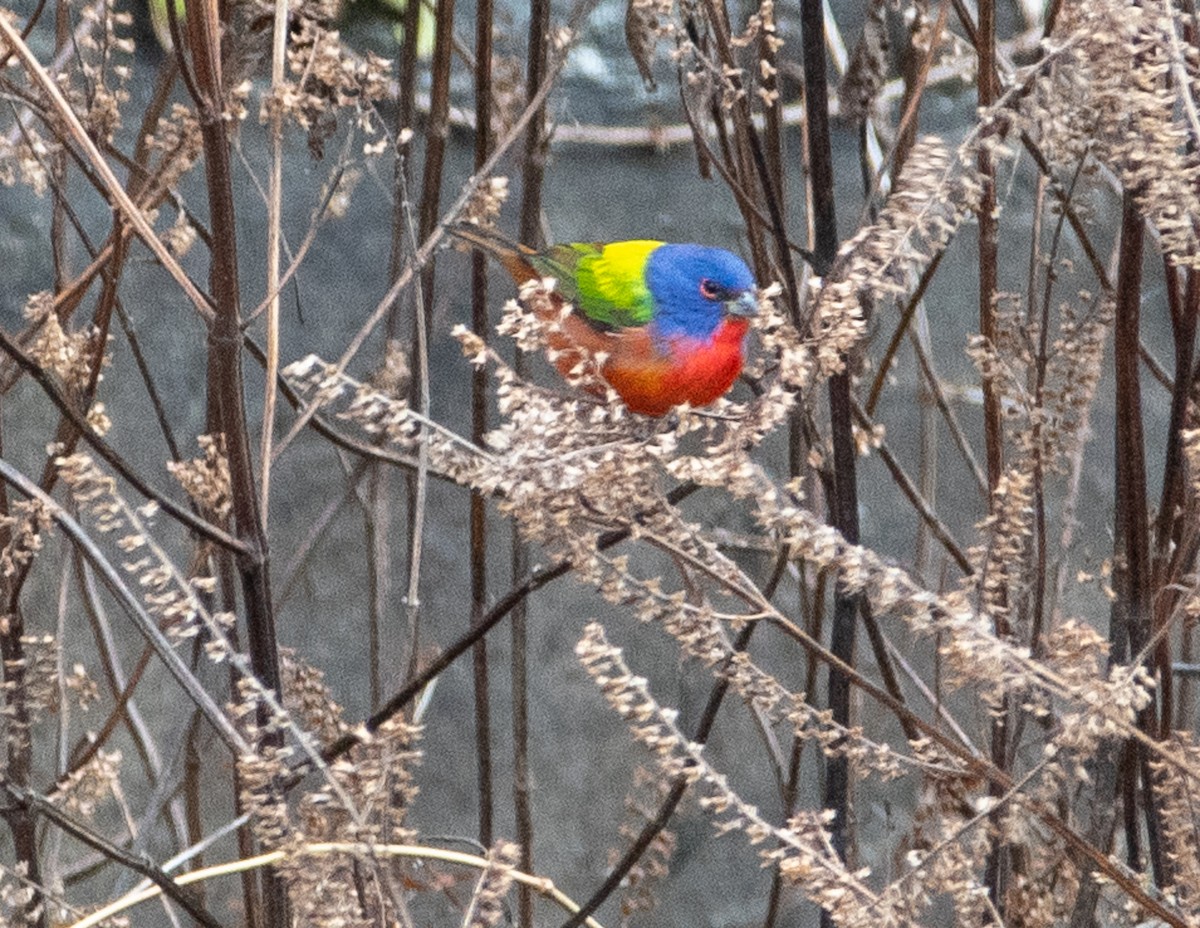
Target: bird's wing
605 282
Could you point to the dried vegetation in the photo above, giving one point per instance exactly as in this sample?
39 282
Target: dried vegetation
1020 700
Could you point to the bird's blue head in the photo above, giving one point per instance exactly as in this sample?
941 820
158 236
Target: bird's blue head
694 287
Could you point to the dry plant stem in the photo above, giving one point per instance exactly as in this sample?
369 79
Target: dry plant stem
58 170
225 387
1132 609
435 150
413 688
746 158
844 503
431 244
888 358
182 895
1184 530
1040 572
201 527
773 119
380 511
1130 554
911 308
193 795
938 705
666 809
419 485
304 548
377 522
535 150
143 368
916 80
274 251
710 159
17 750
928 516
985 48
112 187
120 686
295 260
792 781
989 267
439 128
1169 561
225 334
28 30
122 701
116 585
481 326
737 173
406 80
541 885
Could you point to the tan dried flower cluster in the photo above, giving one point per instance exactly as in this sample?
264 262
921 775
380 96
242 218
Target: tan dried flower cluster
1000 576
97 87
710 80
327 78
1072 376
378 774
71 356
25 159
383 415
24 526
1172 780
931 199
43 655
165 594
487 907
701 634
96 782
971 649
858 93
652 869
1192 449
484 207
178 140
646 23
1123 93
802 851
17 891
206 479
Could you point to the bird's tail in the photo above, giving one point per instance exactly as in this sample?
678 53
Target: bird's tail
513 256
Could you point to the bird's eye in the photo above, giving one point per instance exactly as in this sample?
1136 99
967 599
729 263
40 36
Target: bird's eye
709 289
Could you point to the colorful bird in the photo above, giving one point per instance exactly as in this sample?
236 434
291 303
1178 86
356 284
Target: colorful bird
668 321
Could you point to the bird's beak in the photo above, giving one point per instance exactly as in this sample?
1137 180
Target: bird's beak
746 304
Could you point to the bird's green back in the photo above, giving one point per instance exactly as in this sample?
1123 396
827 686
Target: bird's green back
605 282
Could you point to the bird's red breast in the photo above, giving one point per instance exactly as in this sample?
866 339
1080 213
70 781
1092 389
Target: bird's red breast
650 377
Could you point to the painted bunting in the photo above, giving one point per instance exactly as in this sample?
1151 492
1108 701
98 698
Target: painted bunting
667 323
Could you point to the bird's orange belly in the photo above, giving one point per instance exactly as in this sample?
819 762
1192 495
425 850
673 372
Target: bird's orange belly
649 379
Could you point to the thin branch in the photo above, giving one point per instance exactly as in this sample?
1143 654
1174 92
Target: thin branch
186 898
